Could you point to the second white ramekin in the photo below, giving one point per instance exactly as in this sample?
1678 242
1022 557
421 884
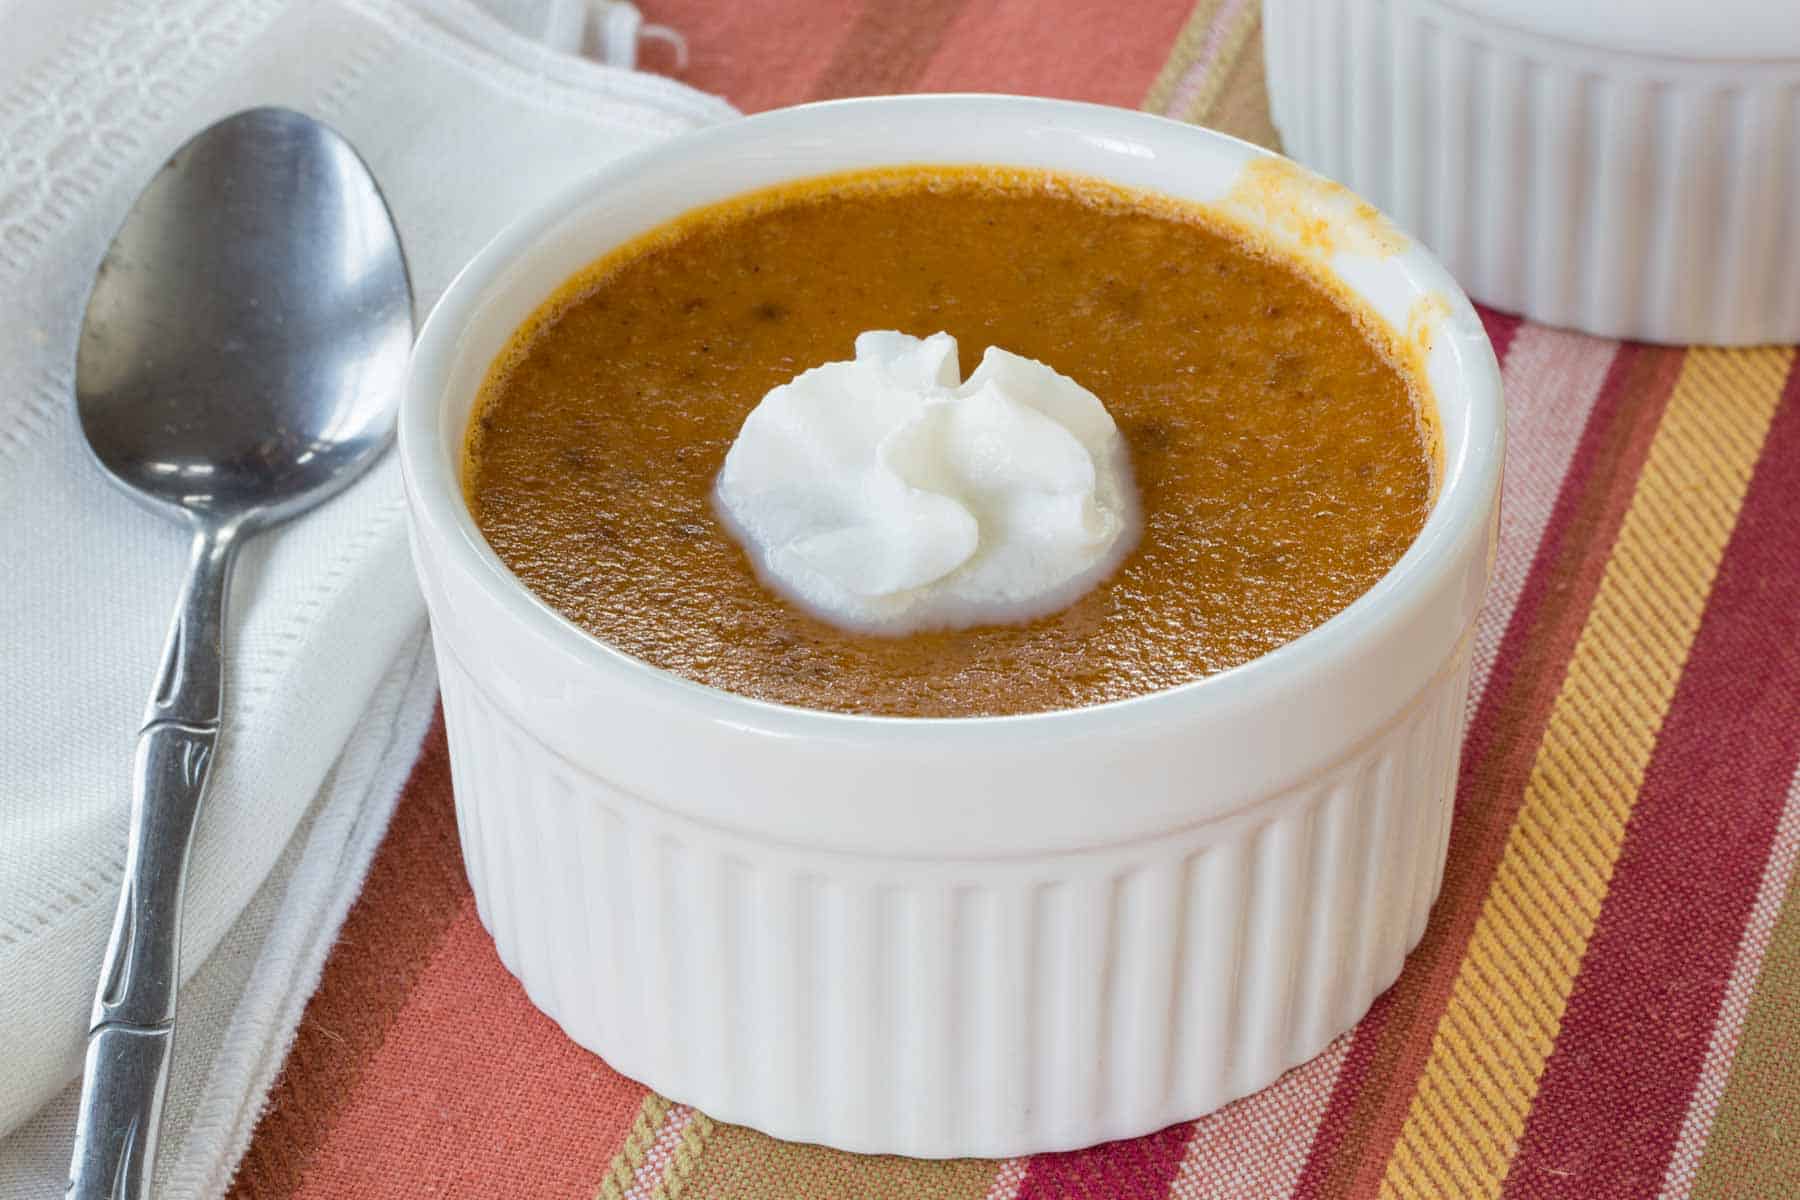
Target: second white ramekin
1628 169
949 937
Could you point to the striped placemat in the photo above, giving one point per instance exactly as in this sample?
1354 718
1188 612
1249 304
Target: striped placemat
1607 1000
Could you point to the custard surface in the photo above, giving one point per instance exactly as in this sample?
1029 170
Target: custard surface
1282 453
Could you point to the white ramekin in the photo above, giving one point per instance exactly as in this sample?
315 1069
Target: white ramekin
949 937
1625 168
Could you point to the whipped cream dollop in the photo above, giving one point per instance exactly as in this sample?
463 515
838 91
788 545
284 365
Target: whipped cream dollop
886 494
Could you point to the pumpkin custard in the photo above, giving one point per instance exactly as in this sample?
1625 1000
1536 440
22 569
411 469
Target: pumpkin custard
1281 448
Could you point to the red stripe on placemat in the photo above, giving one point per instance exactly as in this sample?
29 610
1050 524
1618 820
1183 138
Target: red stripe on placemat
474 1093
758 56
411 895
1389 1050
787 51
784 52
1500 327
1634 1034
1024 46
1137 1169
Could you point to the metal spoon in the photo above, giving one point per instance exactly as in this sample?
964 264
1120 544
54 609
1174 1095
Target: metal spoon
241 360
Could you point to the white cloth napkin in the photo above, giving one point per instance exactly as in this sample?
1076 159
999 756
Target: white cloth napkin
466 123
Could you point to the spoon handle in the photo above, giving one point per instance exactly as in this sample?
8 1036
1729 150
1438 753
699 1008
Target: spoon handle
132 1028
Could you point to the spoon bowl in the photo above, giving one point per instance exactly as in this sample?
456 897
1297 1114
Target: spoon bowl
246 339
241 359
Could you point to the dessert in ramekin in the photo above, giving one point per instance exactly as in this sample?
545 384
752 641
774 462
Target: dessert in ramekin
957 935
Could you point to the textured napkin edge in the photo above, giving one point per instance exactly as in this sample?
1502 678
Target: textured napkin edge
466 33
349 826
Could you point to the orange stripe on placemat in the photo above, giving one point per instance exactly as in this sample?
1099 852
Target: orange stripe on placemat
1616 1087
414 887
1506 1003
1080 49
1390 1046
474 1092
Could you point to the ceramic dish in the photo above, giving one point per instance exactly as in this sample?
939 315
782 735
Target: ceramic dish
1629 169
945 937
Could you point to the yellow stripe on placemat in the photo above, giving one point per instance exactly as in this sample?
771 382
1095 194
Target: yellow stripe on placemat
1240 106
623 1171
741 1164
687 1153
1214 73
1187 47
1507 1001
1205 59
1197 98
658 1154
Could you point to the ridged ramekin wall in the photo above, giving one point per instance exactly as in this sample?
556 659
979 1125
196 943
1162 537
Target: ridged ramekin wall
953 1007
1631 195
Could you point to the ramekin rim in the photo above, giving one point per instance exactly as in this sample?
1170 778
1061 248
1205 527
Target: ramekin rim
1466 496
